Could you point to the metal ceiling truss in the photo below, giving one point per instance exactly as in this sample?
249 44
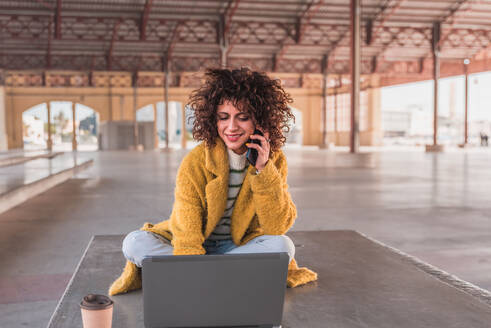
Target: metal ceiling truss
450 37
171 45
375 25
372 25
300 26
48 53
144 19
225 41
388 36
261 33
407 38
58 20
467 38
283 36
111 46
44 4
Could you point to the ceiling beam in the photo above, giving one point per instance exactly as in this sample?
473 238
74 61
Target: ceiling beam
378 21
58 20
303 20
229 14
227 22
381 53
144 19
138 65
92 65
450 17
222 42
373 25
111 46
155 16
172 42
44 4
369 32
48 52
453 11
447 19
482 52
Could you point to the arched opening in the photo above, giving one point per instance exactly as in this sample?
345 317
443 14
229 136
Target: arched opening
87 121
145 117
61 123
175 123
147 114
35 127
294 137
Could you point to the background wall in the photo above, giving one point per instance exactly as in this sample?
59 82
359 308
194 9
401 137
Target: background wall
112 96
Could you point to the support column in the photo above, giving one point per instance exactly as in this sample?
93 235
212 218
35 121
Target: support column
436 76
223 57
355 12
3 116
336 142
74 128
135 122
166 99
325 142
373 134
183 127
110 92
121 107
155 131
435 147
49 143
466 122
223 42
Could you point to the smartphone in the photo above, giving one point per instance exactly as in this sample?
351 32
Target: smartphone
251 152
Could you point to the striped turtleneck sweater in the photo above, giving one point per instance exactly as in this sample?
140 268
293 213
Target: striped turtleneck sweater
237 173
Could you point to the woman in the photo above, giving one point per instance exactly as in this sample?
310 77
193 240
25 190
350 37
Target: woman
224 205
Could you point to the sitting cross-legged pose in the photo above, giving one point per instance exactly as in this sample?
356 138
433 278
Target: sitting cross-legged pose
224 204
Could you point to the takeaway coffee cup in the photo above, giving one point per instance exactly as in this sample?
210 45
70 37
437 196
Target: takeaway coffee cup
97 311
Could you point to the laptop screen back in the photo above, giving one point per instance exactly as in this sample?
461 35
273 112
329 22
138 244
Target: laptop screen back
214 290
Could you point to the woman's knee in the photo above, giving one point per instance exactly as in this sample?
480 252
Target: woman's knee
283 244
289 245
133 241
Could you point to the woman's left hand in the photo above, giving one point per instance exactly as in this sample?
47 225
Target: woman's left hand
262 150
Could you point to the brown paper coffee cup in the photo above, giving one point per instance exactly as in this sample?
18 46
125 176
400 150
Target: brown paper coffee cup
97 311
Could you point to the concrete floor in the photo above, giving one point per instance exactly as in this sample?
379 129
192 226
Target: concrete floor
17 175
433 206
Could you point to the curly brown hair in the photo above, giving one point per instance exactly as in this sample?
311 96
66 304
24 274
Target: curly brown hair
252 92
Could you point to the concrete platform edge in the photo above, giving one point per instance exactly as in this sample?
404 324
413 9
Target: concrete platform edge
479 293
70 282
21 194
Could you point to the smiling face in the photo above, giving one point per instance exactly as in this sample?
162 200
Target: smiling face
234 126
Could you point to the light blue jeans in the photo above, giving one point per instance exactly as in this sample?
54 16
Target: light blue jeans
140 244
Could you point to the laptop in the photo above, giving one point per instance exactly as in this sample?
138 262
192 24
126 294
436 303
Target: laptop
230 290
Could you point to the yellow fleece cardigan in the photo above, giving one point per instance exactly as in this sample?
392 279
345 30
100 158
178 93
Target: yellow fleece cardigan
263 207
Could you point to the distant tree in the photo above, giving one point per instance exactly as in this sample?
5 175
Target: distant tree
53 128
61 120
89 124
